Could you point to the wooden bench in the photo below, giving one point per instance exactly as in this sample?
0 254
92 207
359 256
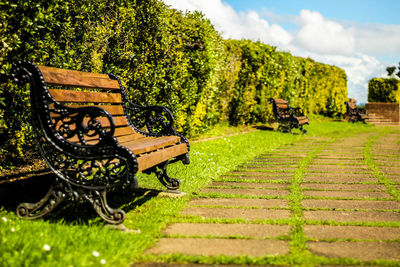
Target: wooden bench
288 117
95 139
353 113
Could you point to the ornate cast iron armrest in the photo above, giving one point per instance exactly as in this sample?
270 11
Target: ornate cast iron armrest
297 112
151 120
85 123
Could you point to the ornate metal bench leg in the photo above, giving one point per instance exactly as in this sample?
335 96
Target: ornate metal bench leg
49 202
110 215
171 184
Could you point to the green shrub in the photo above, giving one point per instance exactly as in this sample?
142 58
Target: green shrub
384 90
264 72
163 57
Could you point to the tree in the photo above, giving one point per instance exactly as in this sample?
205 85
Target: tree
392 69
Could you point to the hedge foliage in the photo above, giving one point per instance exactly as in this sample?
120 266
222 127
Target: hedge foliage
163 56
384 90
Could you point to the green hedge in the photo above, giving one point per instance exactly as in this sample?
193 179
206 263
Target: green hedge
263 73
163 56
384 90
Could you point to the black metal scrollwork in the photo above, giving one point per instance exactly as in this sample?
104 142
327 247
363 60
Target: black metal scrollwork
84 124
151 120
60 191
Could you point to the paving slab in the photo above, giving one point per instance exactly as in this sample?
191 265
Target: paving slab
351 204
256 177
215 247
257 231
239 202
354 232
387 163
394 179
336 178
247 192
347 187
261 173
357 250
278 161
269 168
346 194
352 216
251 185
339 174
233 213
358 156
339 161
389 169
336 168
272 163
341 157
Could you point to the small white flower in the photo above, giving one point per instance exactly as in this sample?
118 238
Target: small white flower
4 219
103 261
95 253
46 247
13 229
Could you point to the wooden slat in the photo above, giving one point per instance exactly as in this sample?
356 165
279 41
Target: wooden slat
115 110
282 105
352 105
118 121
151 143
302 120
73 78
128 138
124 131
281 101
149 160
85 97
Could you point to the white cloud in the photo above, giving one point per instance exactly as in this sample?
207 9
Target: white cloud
346 44
236 25
377 39
360 68
323 36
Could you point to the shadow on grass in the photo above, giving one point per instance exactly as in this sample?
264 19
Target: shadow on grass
265 128
272 129
31 187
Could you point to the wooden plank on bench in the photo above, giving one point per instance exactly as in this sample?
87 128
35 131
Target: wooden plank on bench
73 78
62 95
149 144
149 160
115 110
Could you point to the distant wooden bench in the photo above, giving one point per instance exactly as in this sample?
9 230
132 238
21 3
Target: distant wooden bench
288 117
353 113
95 139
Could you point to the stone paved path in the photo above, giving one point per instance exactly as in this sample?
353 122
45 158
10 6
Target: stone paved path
337 199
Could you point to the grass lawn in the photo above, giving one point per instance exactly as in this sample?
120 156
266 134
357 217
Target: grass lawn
74 236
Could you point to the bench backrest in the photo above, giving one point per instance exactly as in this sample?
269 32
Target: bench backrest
280 108
281 104
351 105
80 89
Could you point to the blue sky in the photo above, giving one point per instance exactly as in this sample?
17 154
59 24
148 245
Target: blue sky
360 36
365 11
